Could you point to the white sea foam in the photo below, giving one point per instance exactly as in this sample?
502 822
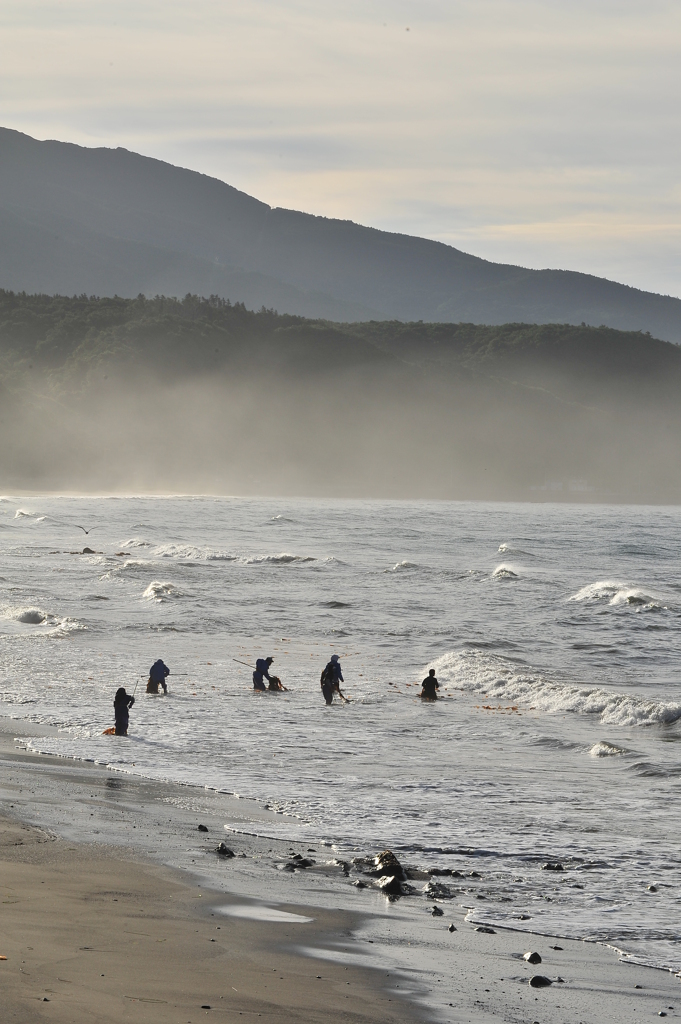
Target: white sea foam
505 572
283 559
616 593
501 680
136 542
509 549
401 566
130 567
605 749
192 553
31 616
36 517
48 623
160 590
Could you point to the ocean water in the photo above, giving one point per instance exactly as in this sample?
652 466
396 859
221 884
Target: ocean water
555 632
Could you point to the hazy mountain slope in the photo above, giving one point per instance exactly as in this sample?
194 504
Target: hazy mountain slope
198 395
111 221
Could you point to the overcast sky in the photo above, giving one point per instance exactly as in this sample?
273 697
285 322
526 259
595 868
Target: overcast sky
543 133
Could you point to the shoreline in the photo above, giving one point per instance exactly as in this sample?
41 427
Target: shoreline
148 829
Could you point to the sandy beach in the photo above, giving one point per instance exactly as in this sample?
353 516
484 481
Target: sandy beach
105 930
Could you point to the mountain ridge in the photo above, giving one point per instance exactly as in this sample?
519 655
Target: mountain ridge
111 221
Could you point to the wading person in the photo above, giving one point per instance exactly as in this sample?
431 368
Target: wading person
331 679
430 686
122 703
277 685
158 674
262 673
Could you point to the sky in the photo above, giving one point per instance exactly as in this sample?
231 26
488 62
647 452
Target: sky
540 133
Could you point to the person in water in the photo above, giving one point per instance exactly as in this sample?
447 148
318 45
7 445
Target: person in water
429 686
122 704
157 677
331 679
262 673
277 685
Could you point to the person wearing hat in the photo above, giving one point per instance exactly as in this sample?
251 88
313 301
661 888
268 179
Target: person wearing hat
262 672
331 679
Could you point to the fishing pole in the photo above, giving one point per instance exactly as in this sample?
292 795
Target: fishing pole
242 663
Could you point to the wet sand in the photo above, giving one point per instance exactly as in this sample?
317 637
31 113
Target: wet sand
93 937
96 927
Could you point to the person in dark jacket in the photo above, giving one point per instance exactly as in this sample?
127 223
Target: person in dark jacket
158 674
262 673
332 677
429 686
122 704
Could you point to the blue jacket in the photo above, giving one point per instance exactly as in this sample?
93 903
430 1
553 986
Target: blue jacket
158 672
335 671
261 669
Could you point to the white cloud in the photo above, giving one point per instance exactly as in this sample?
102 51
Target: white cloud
537 132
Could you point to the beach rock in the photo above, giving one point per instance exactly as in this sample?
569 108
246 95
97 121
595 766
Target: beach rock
652 888
224 850
486 929
557 947
437 891
451 928
88 551
386 863
359 884
532 958
474 874
552 865
392 886
539 981
288 866
436 912
202 828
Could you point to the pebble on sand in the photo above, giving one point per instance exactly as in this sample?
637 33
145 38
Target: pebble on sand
539 981
224 850
486 929
436 912
202 828
532 958
451 928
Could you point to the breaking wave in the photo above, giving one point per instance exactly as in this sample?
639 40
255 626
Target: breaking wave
160 591
52 625
508 549
189 552
34 516
401 566
605 749
130 567
498 679
136 542
615 593
31 616
504 572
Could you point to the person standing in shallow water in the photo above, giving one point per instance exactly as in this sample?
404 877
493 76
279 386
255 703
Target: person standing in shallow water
430 686
158 674
331 679
122 703
262 673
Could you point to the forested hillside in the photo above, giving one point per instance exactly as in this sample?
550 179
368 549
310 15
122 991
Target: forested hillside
203 394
